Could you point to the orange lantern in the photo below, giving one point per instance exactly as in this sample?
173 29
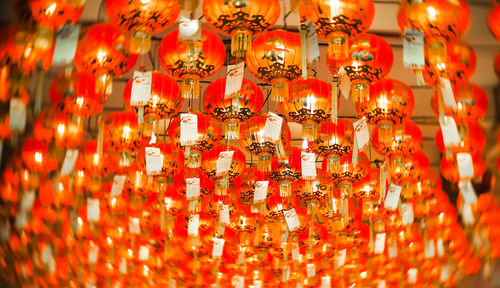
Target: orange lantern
209 135
141 19
410 170
276 58
494 20
209 166
472 139
191 61
122 135
405 140
164 102
286 171
180 181
36 158
368 188
103 53
94 166
345 174
245 184
252 138
389 103
309 104
232 111
449 168
241 20
370 60
53 125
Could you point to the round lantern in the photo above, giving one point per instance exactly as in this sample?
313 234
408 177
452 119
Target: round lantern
367 190
209 135
472 139
276 58
209 166
191 61
286 171
181 180
241 20
345 174
142 18
53 125
405 139
122 135
408 171
103 53
94 165
252 138
235 110
164 101
36 158
449 168
173 161
309 104
370 60
389 103
494 20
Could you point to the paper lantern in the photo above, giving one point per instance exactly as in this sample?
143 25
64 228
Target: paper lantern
141 18
122 136
36 158
53 126
472 139
345 174
405 140
233 111
241 20
193 61
209 165
368 188
449 168
408 171
276 58
173 162
494 20
286 171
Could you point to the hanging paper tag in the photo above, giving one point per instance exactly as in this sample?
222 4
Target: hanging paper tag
189 129
379 243
66 42
308 165
412 275
154 161
118 183
141 88
430 248
189 29
134 225
340 258
450 131
218 247
382 181
69 162
27 201
440 247
17 114
311 270
303 50
20 222
311 43
194 222
272 128
223 164
292 220
392 249
4 230
295 252
467 216
123 266
239 281
407 213
285 272
413 49
234 79
445 273
143 253
93 254
192 188
392 200
381 284
224 214
92 209
467 191
260 191
344 83
447 93
335 100
362 133
326 281
465 166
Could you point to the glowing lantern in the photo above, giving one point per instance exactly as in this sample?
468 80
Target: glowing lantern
36 158
94 165
370 60
345 174
449 168
368 188
209 166
122 135
286 171
408 171
208 137
389 103
164 102
276 58
246 184
241 20
494 20
103 53
141 18
309 104
53 125
180 181
472 139
405 140
193 61
232 111
252 138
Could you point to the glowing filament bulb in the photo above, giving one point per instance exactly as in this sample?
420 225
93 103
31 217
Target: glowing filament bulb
50 10
38 157
61 128
109 241
101 56
79 101
96 159
431 13
383 102
126 132
335 8
144 2
154 100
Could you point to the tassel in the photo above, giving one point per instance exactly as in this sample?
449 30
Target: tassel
303 47
420 78
335 99
100 136
140 115
355 152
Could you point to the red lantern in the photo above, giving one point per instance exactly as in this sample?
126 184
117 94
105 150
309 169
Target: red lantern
209 166
191 61
103 53
142 18
173 162
494 20
405 140
333 141
287 171
345 173
241 20
408 171
53 125
449 168
368 188
276 58
37 159
472 139
122 136
232 111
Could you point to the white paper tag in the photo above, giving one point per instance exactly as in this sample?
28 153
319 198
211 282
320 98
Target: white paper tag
272 128
413 49
20 222
430 248
467 191
93 209
467 215
292 220
4 230
362 133
143 253
66 42
224 214
239 281
141 88
340 258
311 270
93 254
440 247
172 283
234 79
326 282
27 201
17 114
260 193
344 83
392 249
189 29
412 275
69 162
447 92
308 165
218 247
189 129
256 284
134 225
379 243
465 166
407 213
311 43
118 184
154 161
445 273
122 267
382 182
450 132
381 284
194 222
223 165
192 188
285 272
392 200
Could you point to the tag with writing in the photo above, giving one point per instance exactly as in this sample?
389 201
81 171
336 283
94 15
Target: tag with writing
189 29
239 281
450 131
392 200
223 164
344 83
218 247
66 42
312 44
141 88
27 201
134 226
224 214
340 258
118 184
381 284
308 165
311 270
467 215
362 133
189 129
430 248
17 114
379 243
93 209
413 49
467 191
234 79
292 220
93 254
440 247
465 165
260 191
123 265
392 249
295 252
143 253
407 213
69 162
447 92
194 222
326 281
192 188
412 275
154 161
272 128
445 273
